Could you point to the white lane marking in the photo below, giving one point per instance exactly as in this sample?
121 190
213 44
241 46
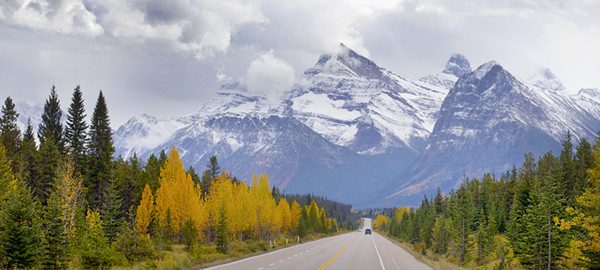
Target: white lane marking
377 251
281 261
289 257
271 264
260 268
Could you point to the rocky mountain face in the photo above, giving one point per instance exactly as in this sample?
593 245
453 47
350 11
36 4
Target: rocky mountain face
488 121
355 132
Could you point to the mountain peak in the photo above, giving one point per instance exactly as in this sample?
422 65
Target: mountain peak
346 62
545 79
457 65
590 92
484 69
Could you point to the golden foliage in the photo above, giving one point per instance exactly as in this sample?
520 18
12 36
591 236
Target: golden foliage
178 195
143 215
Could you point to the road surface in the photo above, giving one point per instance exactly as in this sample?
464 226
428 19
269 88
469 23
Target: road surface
353 250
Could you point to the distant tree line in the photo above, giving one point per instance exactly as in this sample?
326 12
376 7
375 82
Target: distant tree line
544 215
66 202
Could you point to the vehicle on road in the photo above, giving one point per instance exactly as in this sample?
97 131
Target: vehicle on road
368 231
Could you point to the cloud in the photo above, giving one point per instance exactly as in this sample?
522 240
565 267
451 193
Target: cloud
270 76
201 28
64 17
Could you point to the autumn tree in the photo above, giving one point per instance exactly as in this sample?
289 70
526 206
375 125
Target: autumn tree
178 195
144 211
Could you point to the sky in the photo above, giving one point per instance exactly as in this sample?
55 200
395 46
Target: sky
168 57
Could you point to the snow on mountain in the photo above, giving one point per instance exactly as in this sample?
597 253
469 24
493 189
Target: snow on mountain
545 79
28 111
458 65
487 122
356 132
589 99
352 102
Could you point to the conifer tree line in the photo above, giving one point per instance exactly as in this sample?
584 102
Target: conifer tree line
544 215
66 202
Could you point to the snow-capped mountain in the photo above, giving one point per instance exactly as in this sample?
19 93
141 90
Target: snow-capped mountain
546 80
356 132
488 121
352 102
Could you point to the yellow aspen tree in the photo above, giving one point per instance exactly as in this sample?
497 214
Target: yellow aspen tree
143 215
285 215
399 214
295 210
265 204
221 198
178 195
242 218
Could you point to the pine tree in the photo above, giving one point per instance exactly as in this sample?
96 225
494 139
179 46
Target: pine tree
76 131
55 244
49 164
585 216
206 184
30 157
101 150
6 175
152 171
222 234
51 126
194 175
10 135
584 160
20 229
112 214
213 167
568 181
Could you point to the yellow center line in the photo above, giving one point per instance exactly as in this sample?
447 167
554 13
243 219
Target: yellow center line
332 259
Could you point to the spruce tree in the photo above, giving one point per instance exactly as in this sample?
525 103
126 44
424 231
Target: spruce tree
584 160
55 244
51 126
222 233
567 164
101 150
206 183
213 167
152 171
6 175
30 157
48 164
10 135
76 131
20 229
112 214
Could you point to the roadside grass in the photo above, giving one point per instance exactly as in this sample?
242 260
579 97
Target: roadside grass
206 255
440 262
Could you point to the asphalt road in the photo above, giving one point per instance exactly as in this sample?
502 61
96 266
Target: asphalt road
353 250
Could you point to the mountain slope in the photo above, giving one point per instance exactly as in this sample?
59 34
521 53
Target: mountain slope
486 124
352 102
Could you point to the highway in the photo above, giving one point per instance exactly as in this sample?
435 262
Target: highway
353 250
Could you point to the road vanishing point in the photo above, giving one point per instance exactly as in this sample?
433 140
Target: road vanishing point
353 250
